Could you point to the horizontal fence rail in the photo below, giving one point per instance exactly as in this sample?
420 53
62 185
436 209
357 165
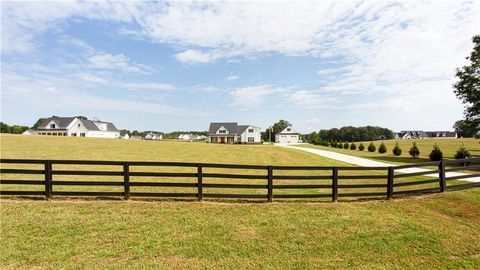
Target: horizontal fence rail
320 181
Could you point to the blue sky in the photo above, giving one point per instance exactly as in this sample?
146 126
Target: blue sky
180 65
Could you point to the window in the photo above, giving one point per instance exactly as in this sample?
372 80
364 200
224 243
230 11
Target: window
52 125
48 133
230 140
78 125
250 130
82 134
223 131
214 139
251 139
73 134
289 129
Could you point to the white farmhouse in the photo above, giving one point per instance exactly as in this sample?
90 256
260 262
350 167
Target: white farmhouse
233 133
288 135
76 127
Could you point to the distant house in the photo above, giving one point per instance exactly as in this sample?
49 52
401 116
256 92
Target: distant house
153 136
191 137
418 134
126 136
136 137
232 132
287 135
75 127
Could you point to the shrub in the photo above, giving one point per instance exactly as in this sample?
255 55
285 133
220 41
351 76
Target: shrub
436 154
345 146
371 147
361 147
397 151
382 149
462 153
333 144
414 152
353 146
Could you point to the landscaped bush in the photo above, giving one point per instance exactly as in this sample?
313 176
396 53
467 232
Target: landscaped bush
333 144
361 147
371 147
346 146
414 151
397 151
353 146
382 149
436 154
462 153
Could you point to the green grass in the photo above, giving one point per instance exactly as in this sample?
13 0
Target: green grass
433 232
448 146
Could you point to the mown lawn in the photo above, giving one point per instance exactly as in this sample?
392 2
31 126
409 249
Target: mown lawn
448 146
434 232
430 232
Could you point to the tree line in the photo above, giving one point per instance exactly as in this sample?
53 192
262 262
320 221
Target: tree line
15 129
350 134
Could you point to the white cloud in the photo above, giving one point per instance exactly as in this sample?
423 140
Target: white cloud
251 97
117 62
231 78
194 56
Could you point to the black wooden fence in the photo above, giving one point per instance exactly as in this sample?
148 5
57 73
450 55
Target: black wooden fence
388 182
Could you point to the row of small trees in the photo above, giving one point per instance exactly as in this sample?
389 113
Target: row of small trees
436 154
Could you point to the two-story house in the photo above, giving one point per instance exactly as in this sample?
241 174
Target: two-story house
232 132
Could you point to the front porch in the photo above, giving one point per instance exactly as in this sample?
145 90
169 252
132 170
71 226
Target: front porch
222 139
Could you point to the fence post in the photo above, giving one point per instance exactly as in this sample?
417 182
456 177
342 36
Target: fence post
334 184
126 180
48 179
441 176
391 174
200 182
270 184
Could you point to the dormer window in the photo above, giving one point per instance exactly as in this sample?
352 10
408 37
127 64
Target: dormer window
52 125
250 130
223 131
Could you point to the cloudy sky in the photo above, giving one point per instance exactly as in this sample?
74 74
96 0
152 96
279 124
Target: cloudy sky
180 65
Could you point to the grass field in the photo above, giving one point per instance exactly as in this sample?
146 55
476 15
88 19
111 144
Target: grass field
435 232
448 146
429 232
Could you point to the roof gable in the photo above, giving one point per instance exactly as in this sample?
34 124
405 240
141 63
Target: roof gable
288 130
231 127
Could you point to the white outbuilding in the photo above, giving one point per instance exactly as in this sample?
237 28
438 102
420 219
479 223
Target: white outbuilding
288 135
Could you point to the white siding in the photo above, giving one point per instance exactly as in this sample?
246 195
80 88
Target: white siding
256 134
287 138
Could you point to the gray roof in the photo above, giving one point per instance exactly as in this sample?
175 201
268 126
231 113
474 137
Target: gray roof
230 126
241 128
61 122
89 125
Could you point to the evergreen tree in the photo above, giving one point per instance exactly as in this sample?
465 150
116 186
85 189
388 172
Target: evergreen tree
361 147
414 151
345 146
462 153
397 151
353 146
382 149
436 154
371 147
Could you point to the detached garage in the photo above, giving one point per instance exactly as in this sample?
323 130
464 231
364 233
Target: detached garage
288 135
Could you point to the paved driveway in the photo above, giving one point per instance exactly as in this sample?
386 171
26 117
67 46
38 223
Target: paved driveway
369 163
